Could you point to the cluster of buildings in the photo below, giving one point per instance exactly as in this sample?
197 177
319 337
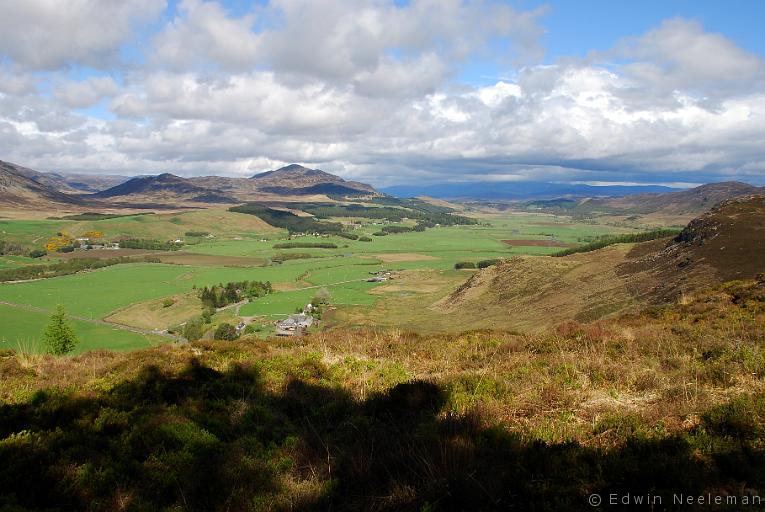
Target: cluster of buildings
294 325
86 244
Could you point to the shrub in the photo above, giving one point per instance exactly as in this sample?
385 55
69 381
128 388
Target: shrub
37 253
166 303
193 330
364 239
464 264
284 256
396 229
322 297
488 263
379 233
197 233
252 329
741 418
305 245
12 248
226 332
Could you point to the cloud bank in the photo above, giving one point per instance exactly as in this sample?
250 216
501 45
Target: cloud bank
371 90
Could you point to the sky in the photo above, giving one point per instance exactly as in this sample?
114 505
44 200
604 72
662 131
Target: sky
388 92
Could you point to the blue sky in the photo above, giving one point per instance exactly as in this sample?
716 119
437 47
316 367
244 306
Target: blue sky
576 27
388 92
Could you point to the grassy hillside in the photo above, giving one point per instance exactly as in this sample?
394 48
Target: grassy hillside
670 400
532 292
162 226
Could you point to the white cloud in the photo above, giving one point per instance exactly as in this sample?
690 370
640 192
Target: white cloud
85 93
15 83
379 48
681 55
48 34
202 32
368 89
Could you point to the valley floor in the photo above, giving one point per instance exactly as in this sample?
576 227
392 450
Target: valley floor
236 247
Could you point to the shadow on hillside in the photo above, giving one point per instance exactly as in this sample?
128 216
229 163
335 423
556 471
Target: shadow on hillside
206 440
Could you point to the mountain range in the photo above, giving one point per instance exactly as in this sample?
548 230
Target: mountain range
292 180
21 187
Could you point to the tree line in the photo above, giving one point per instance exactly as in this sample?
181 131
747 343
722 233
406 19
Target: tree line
154 245
288 220
220 295
628 238
58 269
306 245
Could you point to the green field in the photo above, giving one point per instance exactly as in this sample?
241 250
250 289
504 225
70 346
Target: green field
19 328
282 303
95 294
342 270
222 224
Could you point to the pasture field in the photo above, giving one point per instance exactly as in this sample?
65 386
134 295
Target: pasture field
285 302
162 226
19 328
99 292
447 244
241 249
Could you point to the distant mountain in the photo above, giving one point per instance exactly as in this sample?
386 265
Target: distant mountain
293 180
49 180
69 183
89 183
20 186
691 201
516 190
298 180
164 188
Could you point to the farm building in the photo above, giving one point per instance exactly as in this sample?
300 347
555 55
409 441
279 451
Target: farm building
294 325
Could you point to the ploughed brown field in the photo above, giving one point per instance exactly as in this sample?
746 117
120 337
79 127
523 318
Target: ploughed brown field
536 243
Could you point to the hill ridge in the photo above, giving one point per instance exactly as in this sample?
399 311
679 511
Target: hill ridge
726 243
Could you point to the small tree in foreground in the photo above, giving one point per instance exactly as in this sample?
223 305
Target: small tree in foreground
59 335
